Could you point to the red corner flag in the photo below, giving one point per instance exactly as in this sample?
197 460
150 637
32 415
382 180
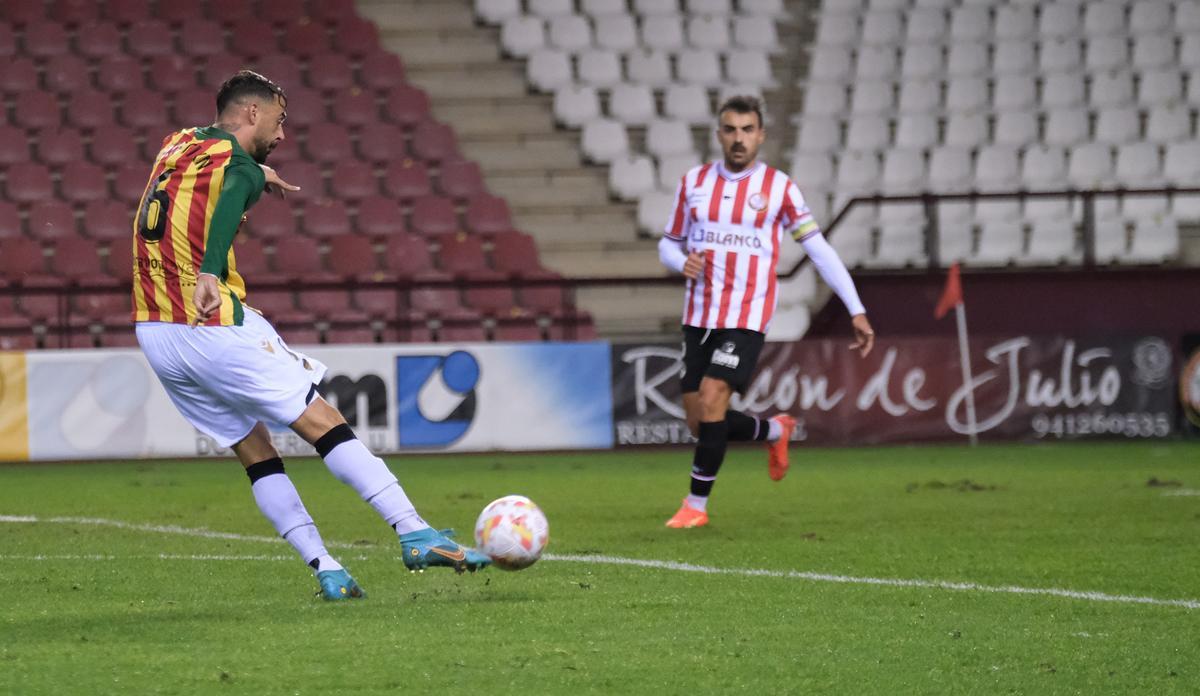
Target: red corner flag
951 295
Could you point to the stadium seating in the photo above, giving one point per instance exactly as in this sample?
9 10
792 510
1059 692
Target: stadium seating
1000 96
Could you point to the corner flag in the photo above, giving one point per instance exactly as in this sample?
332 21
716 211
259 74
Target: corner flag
952 298
952 294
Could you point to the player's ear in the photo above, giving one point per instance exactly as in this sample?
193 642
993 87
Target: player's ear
252 113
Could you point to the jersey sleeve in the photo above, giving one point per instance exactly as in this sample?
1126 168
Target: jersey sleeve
797 218
677 224
238 192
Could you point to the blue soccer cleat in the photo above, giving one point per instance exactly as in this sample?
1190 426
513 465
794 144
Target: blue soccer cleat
337 585
429 547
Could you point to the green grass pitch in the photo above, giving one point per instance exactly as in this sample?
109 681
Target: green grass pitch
125 606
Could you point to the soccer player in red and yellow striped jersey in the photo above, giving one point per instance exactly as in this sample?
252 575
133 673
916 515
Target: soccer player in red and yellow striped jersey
227 370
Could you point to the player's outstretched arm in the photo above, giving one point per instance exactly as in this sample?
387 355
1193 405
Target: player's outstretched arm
275 184
834 273
671 254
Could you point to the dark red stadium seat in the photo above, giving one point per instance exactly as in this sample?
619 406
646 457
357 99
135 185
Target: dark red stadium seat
408 333
45 39
305 107
120 260
250 255
407 180
60 146
491 300
325 217
353 256
407 255
83 182
380 217
79 258
201 38
461 179
126 11
575 327
144 108
16 331
150 37
304 38
28 182
283 70
434 142
324 303
307 176
37 110
354 35
271 302
119 74
433 215
21 12
461 331
221 67
330 72
344 335
520 328
18 75
51 220
280 11
90 110
378 302
332 11
108 220
298 258
328 143
100 40
8 42
130 183
460 254
381 70
172 73
406 105
195 106
381 143
75 13
230 12
181 14
355 107
271 218
254 38
549 298
353 180
100 305
439 301
22 257
297 334
515 253
488 214
116 146
287 152
67 73
14 145
10 223
119 335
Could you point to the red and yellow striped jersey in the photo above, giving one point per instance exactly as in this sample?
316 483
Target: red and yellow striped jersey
201 185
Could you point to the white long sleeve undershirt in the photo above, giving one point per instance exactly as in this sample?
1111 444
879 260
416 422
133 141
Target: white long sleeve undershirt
833 271
670 252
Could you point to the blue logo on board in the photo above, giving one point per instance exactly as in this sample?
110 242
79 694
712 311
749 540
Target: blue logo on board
437 399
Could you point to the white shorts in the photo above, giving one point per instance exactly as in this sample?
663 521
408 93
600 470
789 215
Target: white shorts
225 379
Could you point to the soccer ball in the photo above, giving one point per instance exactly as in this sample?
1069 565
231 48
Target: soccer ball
512 531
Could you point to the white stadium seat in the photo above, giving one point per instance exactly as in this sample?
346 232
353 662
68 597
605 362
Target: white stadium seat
632 104
950 169
954 244
672 168
966 95
867 133
903 171
1181 166
1014 57
1187 16
872 97
1065 127
632 176
831 63
756 32
656 7
967 59
652 68
997 168
1111 240
749 66
602 8
825 98
1052 242
665 137
1016 128
1044 167
688 103
763 8
653 210
708 31
1014 22
1189 53
663 32
604 140
1062 90
1104 17
570 32
1168 124
616 32
1138 165
926 25
712 7
1000 242
901 244
1060 55
1150 17
599 68
858 173
522 35
1118 125
920 97
1107 53
916 131
921 61
875 62
1151 51
1155 239
812 171
1090 166
497 11
966 130
1058 19
1160 88
989 210
1111 88
576 105
550 8
819 134
882 28
698 66
837 28
548 69
970 23
1013 92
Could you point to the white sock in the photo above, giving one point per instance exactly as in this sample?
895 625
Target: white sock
774 430
324 563
354 465
280 503
697 502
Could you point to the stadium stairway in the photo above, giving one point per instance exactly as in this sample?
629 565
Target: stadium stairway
554 195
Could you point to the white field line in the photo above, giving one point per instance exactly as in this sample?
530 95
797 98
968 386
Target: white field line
591 559
1181 493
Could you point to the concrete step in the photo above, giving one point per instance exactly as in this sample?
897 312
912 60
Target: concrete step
481 81
551 187
531 153
614 223
596 260
495 117
411 15
455 48
633 310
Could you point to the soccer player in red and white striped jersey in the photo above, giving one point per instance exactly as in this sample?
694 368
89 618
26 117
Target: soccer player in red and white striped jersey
724 235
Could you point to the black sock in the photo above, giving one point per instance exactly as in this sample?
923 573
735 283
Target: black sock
710 452
743 428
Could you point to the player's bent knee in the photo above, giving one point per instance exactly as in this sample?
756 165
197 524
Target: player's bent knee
336 436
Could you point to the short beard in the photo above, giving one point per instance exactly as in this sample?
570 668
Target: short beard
261 152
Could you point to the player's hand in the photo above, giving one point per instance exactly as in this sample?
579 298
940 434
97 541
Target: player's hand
276 185
694 266
864 336
207 298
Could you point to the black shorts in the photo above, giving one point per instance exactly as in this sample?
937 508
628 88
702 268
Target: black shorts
729 355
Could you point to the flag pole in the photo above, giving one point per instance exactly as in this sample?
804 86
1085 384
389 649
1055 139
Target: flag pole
960 315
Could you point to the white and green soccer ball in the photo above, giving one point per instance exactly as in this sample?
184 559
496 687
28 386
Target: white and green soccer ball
512 531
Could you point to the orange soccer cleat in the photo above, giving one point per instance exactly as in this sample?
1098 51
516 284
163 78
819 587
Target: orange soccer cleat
777 452
688 517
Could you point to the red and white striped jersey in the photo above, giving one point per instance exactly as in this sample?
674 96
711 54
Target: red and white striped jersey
737 221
